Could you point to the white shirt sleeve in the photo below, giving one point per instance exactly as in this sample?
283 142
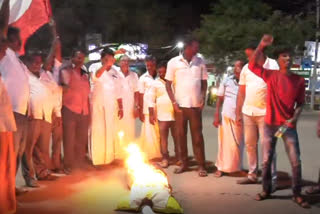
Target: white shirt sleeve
170 71
119 86
58 105
204 72
242 80
152 93
141 85
92 71
271 64
135 83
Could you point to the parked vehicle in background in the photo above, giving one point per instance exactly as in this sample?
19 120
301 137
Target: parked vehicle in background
213 84
212 95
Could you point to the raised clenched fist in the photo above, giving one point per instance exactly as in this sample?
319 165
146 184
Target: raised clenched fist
266 40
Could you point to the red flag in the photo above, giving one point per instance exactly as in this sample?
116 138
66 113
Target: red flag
38 14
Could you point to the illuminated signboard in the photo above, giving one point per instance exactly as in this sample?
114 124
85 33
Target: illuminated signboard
137 51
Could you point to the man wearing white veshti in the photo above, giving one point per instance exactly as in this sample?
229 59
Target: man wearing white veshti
106 105
150 137
230 133
129 95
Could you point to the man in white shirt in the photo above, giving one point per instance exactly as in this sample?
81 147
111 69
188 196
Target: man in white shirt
230 133
251 108
106 106
39 130
50 74
187 74
130 99
161 112
15 78
47 77
150 137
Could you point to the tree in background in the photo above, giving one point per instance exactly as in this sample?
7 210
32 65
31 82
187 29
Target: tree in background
143 21
234 24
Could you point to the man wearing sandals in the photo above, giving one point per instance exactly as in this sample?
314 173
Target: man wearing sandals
285 99
188 76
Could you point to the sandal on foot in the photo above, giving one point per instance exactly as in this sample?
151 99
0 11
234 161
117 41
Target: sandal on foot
313 190
301 202
262 196
202 173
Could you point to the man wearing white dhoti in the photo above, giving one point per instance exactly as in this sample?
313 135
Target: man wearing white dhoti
230 133
130 95
106 106
150 137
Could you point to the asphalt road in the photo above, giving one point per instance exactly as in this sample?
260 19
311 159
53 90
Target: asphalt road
99 191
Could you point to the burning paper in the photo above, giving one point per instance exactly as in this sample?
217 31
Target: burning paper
147 182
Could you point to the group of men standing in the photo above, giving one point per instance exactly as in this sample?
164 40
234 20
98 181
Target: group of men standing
162 103
85 111
261 101
47 100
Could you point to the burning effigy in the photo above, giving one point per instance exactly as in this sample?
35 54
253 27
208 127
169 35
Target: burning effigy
149 186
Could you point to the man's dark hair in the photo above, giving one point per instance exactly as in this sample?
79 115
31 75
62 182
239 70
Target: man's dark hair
31 54
12 31
106 51
162 64
150 58
76 50
189 40
281 50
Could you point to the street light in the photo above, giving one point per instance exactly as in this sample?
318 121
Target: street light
180 45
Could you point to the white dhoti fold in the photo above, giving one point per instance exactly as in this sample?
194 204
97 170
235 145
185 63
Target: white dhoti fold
127 126
150 139
230 146
103 134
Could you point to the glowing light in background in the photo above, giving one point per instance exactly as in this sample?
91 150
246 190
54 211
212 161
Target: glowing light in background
180 45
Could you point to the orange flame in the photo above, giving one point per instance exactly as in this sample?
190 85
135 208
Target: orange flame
141 173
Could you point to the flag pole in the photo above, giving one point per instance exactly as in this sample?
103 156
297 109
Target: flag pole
314 78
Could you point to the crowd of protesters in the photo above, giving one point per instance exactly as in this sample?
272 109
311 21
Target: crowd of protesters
47 104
